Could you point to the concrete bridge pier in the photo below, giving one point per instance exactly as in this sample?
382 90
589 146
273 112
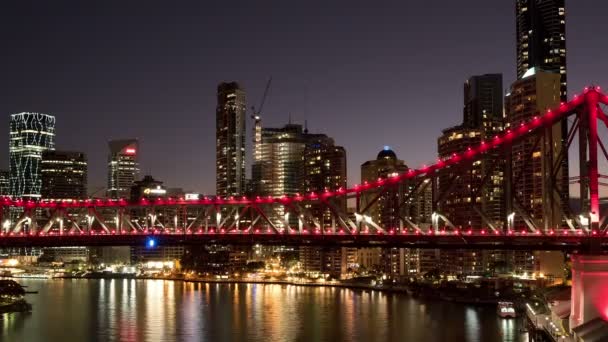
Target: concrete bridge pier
589 289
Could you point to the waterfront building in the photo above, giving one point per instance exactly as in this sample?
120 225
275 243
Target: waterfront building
30 135
336 262
65 254
368 259
123 167
64 175
142 254
533 184
230 140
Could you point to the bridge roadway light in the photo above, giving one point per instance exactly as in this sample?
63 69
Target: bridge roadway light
511 220
584 221
6 224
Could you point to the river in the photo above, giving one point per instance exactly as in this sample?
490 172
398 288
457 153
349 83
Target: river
158 310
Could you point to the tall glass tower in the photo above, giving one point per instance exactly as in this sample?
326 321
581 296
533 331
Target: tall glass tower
30 135
230 140
123 167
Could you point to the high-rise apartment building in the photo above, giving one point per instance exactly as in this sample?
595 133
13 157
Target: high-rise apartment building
532 173
460 188
291 161
387 209
483 103
30 135
541 38
324 169
541 45
123 167
230 140
64 175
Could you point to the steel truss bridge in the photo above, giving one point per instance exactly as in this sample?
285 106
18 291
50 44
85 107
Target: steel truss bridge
99 222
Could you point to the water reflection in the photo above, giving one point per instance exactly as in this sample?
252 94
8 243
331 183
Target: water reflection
137 310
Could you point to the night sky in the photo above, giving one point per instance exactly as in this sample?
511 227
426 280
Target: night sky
384 73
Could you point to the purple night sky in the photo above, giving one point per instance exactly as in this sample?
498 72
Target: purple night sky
387 73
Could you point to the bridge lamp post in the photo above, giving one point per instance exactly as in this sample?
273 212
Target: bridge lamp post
60 221
435 221
152 220
584 221
89 222
6 225
300 222
367 219
218 219
358 218
511 221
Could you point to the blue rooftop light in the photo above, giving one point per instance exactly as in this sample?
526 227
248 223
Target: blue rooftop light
387 148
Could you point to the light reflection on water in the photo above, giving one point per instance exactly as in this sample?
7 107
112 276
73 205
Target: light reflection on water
156 310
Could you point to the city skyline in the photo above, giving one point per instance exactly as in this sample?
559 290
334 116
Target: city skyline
330 91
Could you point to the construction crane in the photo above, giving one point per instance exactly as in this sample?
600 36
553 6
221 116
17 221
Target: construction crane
256 113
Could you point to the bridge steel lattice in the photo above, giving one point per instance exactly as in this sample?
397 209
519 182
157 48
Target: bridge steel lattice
255 220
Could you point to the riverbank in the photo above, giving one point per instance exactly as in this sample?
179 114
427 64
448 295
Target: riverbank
423 292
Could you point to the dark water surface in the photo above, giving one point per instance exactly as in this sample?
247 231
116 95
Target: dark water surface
156 310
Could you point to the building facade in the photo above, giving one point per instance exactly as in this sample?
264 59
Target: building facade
533 158
230 140
64 175
30 135
123 167
324 169
385 210
541 45
5 183
541 38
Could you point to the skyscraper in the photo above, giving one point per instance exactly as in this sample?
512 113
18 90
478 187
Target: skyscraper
541 38
483 103
230 140
30 135
123 167
64 175
541 44
483 112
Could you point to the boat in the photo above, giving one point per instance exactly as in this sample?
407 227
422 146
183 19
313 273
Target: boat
506 310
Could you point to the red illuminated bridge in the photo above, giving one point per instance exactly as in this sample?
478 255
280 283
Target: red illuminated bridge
321 218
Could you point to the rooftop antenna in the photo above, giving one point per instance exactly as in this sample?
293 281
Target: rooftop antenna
305 126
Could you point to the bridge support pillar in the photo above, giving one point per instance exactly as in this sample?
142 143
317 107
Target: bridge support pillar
589 289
